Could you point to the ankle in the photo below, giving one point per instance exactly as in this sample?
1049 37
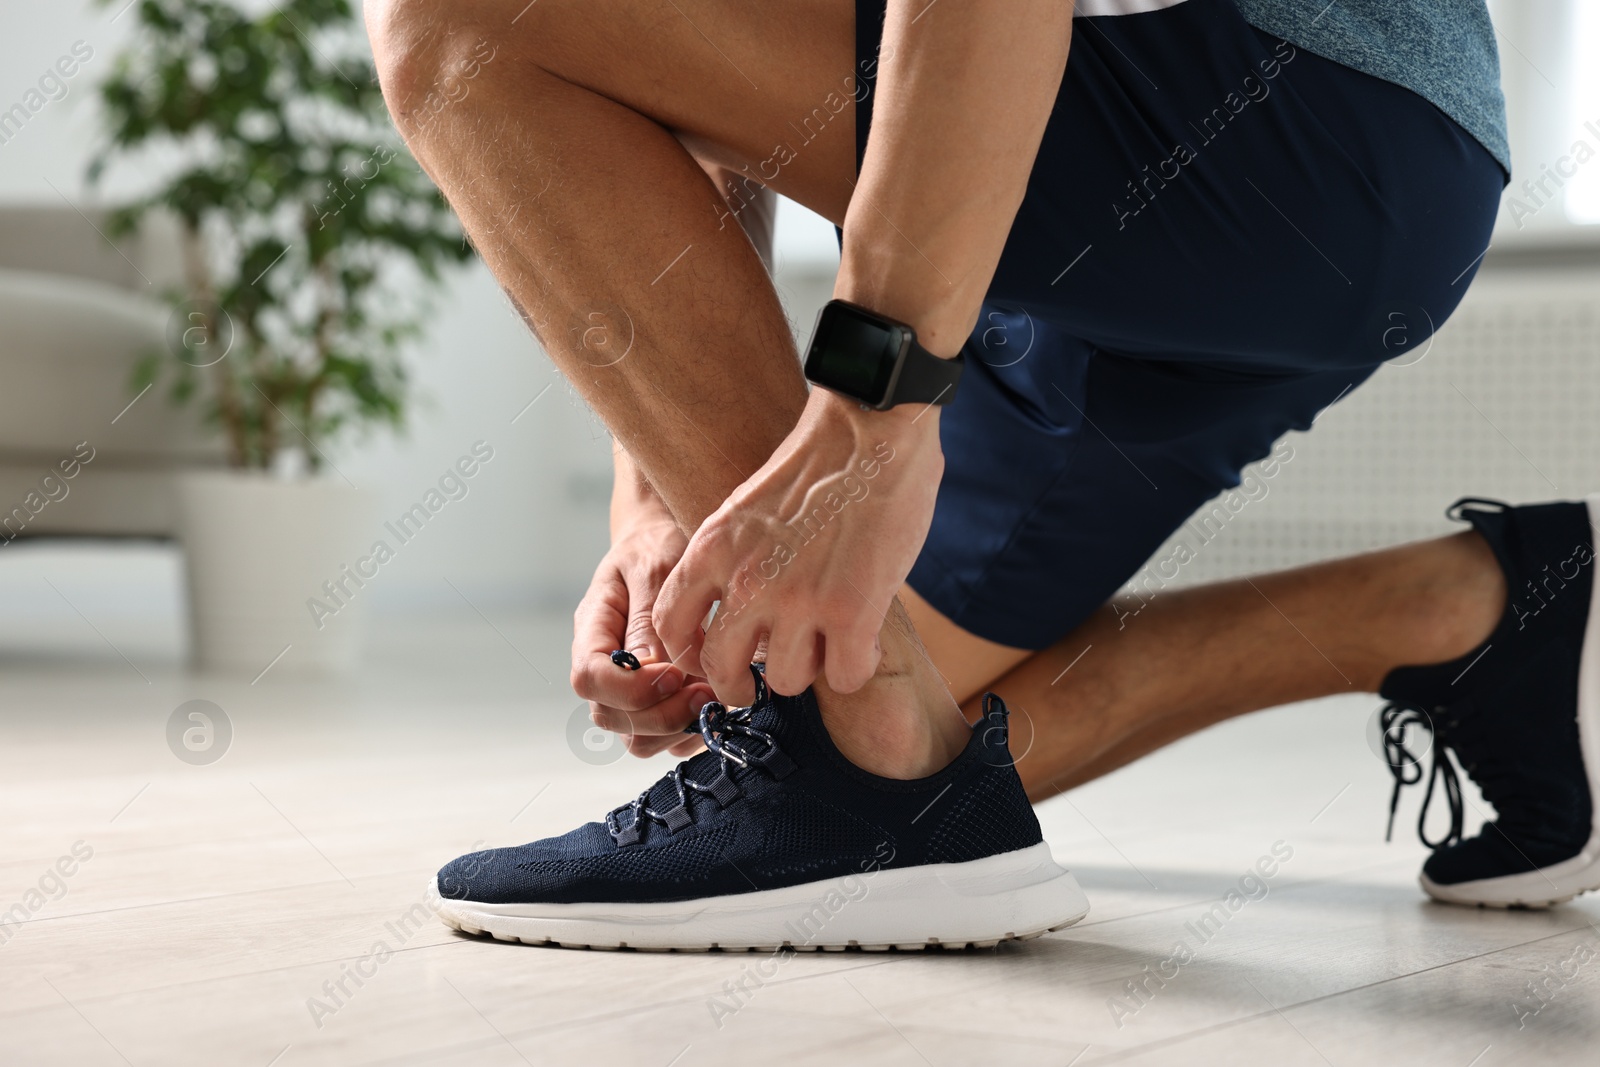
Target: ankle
1454 602
1476 590
894 727
903 723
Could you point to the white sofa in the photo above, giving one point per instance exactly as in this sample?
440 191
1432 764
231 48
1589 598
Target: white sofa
76 314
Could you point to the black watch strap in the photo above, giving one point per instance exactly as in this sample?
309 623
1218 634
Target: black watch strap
925 378
875 360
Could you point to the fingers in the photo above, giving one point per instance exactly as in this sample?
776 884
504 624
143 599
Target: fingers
852 656
645 747
726 652
680 746
605 621
597 679
600 620
666 718
794 656
659 729
713 570
682 605
688 746
640 638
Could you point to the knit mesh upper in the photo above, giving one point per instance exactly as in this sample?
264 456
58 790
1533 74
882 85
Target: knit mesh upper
824 818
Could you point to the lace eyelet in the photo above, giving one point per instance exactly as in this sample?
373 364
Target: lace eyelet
718 725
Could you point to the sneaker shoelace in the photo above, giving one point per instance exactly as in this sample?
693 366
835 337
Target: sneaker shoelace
1395 720
720 726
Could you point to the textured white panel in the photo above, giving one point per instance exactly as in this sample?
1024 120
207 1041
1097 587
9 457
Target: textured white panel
1503 404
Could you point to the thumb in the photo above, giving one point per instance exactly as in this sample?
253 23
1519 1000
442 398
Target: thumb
640 636
641 639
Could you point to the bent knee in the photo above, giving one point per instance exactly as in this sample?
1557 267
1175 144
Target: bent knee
429 53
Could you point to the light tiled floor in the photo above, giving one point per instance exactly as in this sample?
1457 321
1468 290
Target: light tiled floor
219 899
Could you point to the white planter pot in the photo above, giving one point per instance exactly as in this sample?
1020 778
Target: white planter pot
256 550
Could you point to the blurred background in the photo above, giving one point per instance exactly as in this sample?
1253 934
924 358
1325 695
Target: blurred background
269 734
1501 403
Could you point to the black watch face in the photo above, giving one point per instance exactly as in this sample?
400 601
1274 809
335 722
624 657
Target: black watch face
853 353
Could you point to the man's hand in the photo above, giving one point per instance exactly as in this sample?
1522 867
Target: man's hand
652 705
807 555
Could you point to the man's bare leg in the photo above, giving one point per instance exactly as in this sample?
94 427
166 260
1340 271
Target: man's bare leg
1194 657
566 162
560 162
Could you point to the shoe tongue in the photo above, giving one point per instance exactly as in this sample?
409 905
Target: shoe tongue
771 711
702 768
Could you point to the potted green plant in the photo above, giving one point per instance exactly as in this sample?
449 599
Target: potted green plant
310 239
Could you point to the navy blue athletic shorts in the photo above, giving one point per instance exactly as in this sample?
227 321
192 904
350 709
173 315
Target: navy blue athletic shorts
1222 235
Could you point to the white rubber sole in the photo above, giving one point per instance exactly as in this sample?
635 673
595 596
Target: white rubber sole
1559 882
1013 896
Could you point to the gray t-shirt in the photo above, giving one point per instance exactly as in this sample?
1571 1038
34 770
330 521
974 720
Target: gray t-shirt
1442 50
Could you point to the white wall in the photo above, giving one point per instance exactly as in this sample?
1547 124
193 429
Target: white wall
1550 93
53 146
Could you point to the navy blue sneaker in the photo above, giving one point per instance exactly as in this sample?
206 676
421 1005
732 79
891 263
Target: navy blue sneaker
1521 713
771 838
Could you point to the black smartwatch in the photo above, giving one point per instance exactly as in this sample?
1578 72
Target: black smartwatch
876 361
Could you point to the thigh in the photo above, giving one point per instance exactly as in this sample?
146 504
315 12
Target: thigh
766 90
1067 467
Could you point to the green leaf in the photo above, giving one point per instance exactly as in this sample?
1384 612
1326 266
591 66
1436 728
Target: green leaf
320 237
